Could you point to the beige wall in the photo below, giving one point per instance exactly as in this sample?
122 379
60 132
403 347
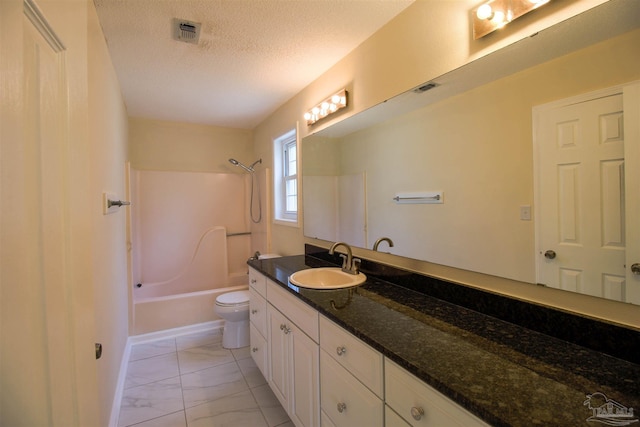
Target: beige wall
187 147
109 152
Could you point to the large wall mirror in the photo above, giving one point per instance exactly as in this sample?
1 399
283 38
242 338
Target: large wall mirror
471 142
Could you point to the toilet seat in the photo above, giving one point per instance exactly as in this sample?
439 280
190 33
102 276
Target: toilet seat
231 299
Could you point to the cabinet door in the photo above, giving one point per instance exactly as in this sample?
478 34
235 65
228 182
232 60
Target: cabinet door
278 344
305 385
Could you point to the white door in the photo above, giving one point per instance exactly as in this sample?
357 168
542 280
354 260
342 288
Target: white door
46 360
582 195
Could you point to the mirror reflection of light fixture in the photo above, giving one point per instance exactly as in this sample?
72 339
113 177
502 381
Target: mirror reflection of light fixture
329 106
495 14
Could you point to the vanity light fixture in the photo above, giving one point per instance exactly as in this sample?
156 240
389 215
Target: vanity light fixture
495 14
328 106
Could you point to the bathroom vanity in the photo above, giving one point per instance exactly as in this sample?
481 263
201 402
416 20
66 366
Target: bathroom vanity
390 353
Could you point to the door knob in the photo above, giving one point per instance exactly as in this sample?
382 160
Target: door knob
635 268
550 254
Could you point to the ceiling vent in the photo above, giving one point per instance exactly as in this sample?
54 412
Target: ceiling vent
186 31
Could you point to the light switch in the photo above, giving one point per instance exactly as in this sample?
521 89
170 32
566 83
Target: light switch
525 213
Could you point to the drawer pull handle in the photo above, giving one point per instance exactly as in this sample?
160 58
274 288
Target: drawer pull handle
254 311
342 407
341 350
417 413
254 349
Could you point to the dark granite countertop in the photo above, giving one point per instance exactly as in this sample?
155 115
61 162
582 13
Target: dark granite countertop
506 374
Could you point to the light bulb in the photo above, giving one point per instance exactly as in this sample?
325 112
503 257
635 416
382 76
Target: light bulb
484 12
498 18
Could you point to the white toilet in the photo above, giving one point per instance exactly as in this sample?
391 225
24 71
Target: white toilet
233 307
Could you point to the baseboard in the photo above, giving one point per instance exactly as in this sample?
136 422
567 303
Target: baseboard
176 332
143 338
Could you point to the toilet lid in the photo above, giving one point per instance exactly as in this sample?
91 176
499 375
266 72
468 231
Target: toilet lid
233 298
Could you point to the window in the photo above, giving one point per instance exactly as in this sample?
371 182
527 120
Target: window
285 151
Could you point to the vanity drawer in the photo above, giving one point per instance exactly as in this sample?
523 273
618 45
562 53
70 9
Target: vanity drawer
305 317
344 400
405 393
258 311
259 350
258 281
355 356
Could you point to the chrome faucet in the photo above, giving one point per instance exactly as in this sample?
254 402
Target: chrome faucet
350 264
380 240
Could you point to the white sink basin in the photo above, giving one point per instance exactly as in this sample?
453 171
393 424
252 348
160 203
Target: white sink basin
326 278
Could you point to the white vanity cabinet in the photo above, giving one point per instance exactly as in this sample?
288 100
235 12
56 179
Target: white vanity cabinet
293 373
351 379
258 320
418 404
323 375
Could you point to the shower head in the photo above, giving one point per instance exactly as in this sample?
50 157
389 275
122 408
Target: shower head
247 168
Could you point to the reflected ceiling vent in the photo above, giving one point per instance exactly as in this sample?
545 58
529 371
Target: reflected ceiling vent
186 31
425 87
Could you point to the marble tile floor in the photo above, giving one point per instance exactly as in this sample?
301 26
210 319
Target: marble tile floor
192 381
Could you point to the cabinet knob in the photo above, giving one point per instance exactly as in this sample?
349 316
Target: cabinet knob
254 311
342 407
635 268
254 349
254 281
417 413
284 328
341 350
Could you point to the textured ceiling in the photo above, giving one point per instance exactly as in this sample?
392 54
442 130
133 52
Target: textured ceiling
253 55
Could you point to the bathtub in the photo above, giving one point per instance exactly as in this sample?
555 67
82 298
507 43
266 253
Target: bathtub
157 313
188 296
